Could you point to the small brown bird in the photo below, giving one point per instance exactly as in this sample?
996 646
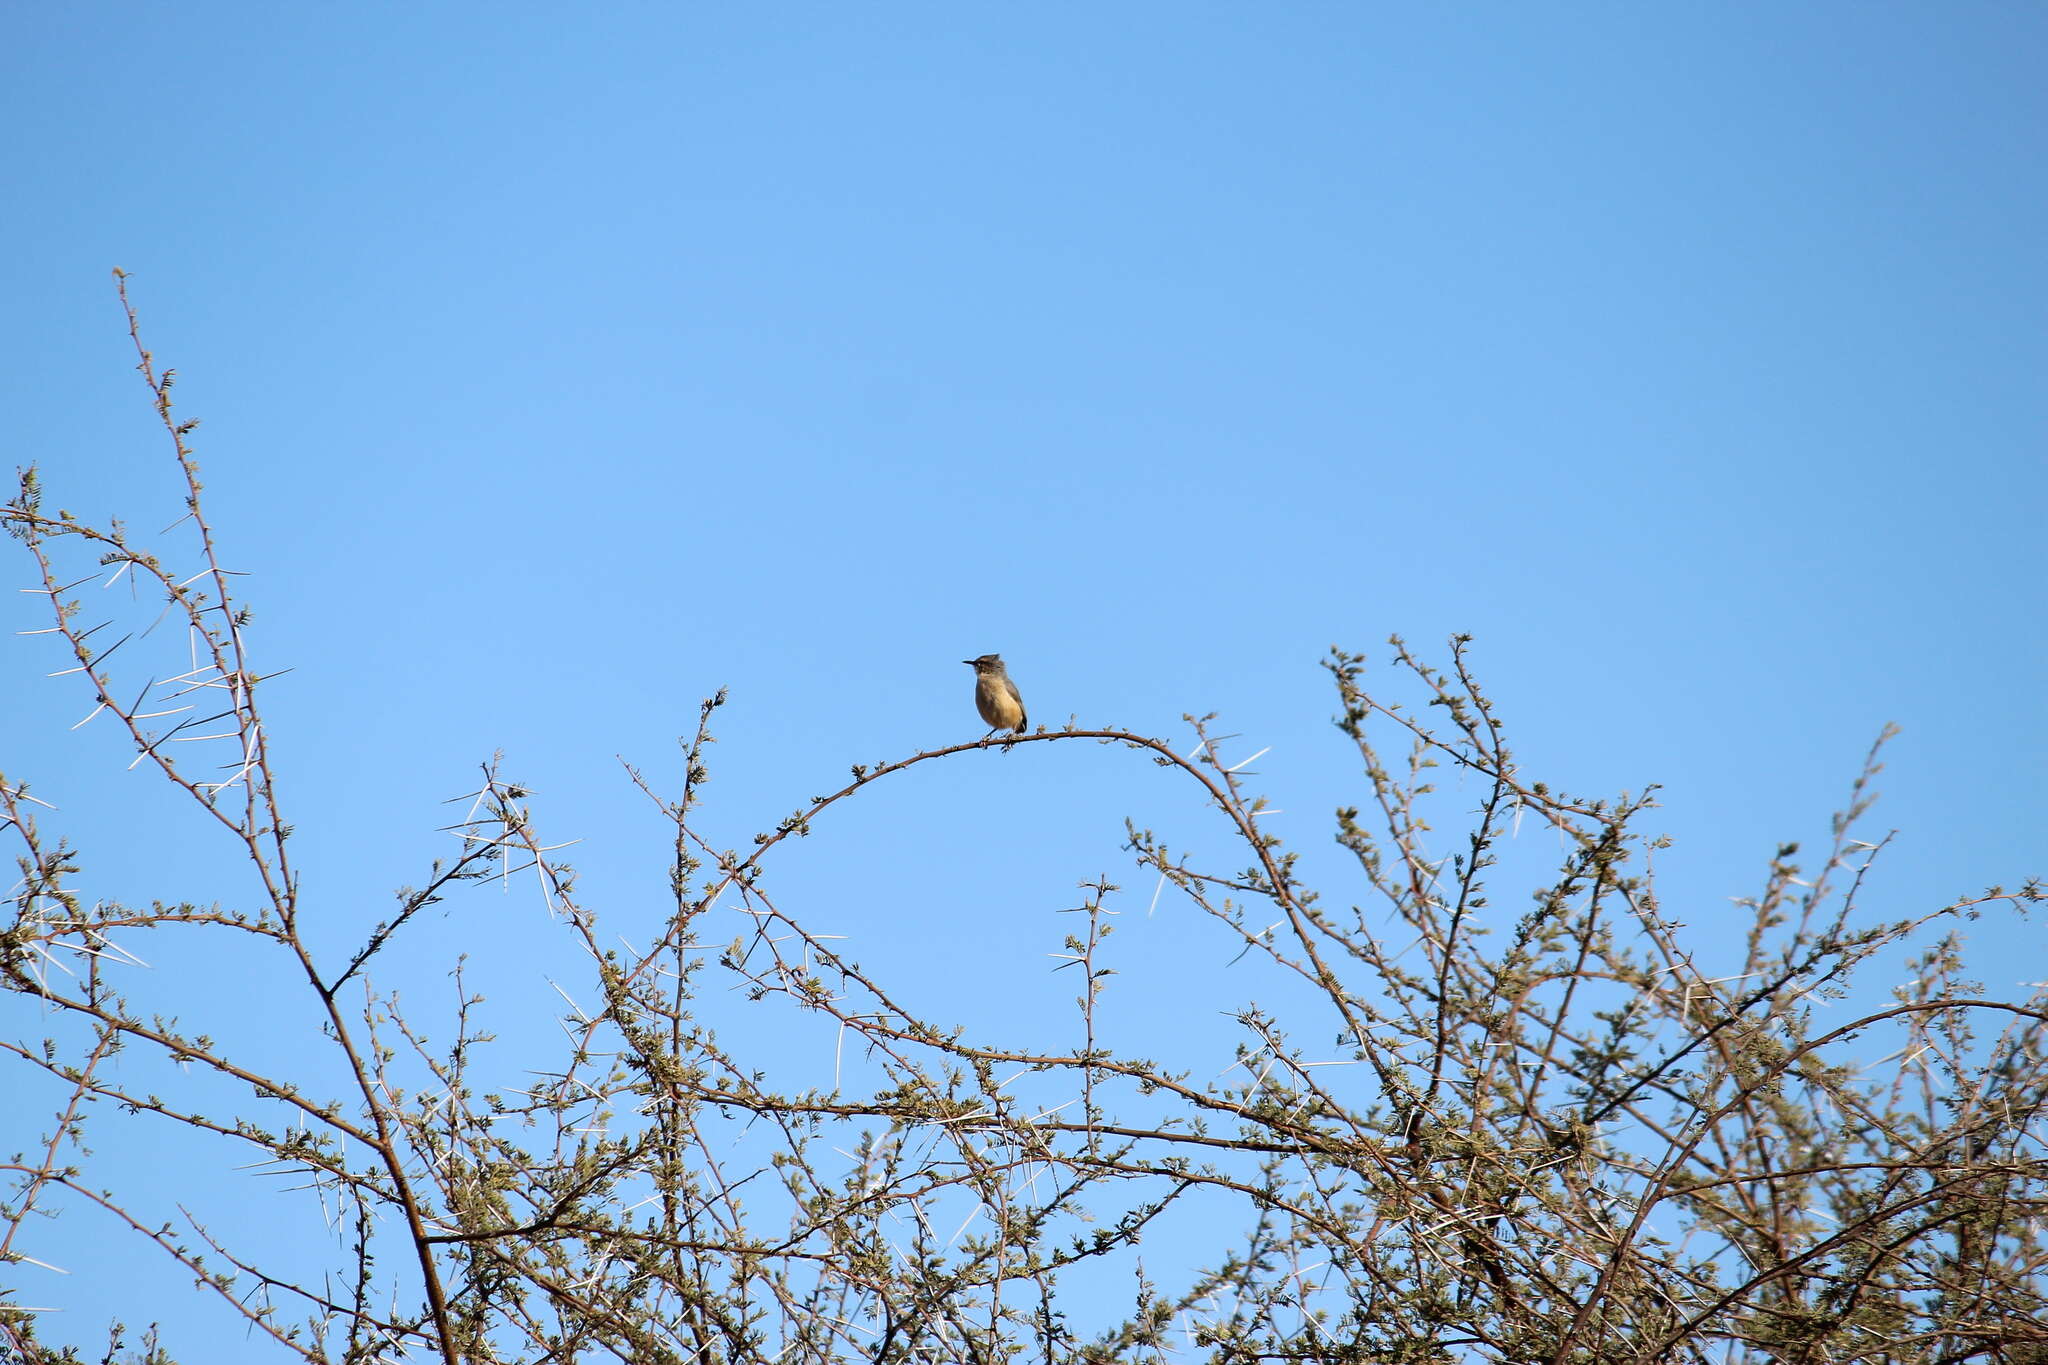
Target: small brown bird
995 696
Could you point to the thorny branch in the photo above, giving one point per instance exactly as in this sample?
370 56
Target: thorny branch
1578 1132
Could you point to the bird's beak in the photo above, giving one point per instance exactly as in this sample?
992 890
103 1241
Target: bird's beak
968 662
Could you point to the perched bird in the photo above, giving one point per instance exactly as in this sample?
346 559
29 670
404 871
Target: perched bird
995 696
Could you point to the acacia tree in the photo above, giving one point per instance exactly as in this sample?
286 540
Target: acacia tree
1565 1140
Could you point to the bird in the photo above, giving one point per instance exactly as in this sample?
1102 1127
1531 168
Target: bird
995 696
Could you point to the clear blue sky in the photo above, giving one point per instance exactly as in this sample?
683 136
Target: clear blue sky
563 364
